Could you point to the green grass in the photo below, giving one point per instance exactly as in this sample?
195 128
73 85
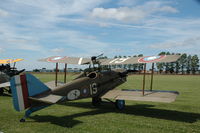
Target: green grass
79 116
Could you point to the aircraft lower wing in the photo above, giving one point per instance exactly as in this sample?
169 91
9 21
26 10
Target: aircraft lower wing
136 95
6 84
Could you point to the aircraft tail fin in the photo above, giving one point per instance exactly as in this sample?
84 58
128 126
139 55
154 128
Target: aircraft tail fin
25 86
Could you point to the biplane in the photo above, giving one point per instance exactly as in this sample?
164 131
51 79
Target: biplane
96 83
6 72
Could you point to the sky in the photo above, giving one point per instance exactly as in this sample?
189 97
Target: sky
35 29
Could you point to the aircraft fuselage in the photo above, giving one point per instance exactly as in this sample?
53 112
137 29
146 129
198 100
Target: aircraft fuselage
95 84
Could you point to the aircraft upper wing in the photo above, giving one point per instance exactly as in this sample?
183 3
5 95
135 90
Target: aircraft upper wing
137 60
67 60
128 60
6 61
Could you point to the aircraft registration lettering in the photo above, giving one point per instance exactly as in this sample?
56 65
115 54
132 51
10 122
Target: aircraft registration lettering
118 60
93 88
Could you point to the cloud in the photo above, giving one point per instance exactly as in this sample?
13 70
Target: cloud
168 9
57 50
23 44
188 43
121 14
1 50
3 13
134 13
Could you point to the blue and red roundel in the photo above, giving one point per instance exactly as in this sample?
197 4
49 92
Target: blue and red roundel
149 59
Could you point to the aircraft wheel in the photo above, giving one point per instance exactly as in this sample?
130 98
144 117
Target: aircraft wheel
22 120
120 104
10 91
1 91
96 101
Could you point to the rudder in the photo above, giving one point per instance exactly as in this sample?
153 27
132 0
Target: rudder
24 86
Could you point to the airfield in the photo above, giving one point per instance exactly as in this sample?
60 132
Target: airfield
80 116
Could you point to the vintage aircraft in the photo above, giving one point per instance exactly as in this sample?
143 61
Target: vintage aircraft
6 72
30 93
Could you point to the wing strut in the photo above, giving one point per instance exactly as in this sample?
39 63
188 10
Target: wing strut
65 71
152 72
144 79
56 80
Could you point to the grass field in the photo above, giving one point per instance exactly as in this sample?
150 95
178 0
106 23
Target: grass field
181 116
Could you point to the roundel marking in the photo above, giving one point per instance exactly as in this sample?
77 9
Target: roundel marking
73 94
56 58
148 59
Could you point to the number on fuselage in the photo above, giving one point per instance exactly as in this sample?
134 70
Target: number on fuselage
93 88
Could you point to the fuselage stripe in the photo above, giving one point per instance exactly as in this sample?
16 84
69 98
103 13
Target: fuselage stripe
19 93
24 90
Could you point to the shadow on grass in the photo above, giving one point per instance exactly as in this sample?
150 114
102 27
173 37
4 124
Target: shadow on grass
6 95
137 110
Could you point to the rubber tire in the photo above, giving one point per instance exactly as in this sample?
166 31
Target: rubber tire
96 101
1 91
22 120
120 104
10 91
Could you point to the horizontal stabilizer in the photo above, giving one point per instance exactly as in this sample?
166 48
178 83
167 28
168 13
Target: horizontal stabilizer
136 95
47 98
6 84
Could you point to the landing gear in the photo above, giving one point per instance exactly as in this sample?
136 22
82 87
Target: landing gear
9 91
32 110
96 101
120 104
22 120
1 91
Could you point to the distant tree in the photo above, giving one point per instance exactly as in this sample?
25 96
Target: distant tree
177 65
171 67
114 66
160 66
183 61
36 70
140 66
54 70
125 65
134 66
167 65
194 64
188 64
119 66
